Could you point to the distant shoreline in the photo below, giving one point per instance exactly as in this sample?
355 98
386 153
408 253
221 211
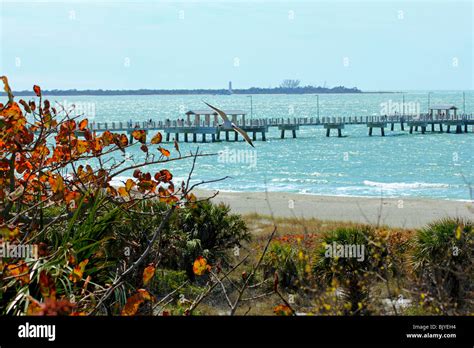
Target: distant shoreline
248 91
119 93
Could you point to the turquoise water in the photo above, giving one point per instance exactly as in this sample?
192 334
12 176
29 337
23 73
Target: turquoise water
397 165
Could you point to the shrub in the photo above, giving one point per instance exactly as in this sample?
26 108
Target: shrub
288 257
443 260
353 275
281 259
57 193
214 226
205 229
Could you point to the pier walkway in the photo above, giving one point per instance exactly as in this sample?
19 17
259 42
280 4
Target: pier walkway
189 130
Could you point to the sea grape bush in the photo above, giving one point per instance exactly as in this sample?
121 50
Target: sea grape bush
53 198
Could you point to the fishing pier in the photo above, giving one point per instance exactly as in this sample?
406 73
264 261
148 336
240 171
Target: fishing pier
204 125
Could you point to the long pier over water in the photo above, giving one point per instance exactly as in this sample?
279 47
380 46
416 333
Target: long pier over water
189 130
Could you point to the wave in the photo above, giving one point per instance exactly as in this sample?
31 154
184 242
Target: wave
321 174
298 180
404 185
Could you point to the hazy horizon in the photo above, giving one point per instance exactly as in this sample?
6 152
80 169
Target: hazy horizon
30 90
374 46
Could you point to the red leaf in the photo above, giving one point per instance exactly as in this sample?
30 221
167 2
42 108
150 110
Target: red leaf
136 173
25 105
37 90
139 135
164 176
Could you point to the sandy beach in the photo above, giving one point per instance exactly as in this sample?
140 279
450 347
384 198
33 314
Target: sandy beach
394 212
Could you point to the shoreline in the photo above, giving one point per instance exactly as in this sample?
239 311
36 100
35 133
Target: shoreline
393 212
463 200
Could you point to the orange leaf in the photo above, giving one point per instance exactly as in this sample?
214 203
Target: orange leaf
121 140
283 310
164 152
37 90
107 138
78 271
157 138
57 184
139 135
82 146
19 271
148 273
200 266
134 302
129 184
145 295
123 191
83 124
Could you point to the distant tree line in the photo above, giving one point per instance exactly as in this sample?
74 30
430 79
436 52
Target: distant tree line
297 90
286 87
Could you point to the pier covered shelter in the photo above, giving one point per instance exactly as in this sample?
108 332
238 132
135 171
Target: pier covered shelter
236 116
442 110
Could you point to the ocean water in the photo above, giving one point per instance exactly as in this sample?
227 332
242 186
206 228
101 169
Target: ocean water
397 165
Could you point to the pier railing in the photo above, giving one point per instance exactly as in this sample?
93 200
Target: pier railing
280 121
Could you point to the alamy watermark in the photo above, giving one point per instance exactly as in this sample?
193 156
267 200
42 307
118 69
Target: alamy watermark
356 251
18 251
37 331
86 109
233 156
399 108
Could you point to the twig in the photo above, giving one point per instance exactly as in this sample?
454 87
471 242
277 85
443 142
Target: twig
247 280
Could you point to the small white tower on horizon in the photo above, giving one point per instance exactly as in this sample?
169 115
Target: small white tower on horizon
230 87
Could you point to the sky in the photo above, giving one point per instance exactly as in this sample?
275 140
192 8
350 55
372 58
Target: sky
372 45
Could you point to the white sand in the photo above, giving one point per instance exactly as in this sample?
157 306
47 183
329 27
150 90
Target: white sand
406 212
